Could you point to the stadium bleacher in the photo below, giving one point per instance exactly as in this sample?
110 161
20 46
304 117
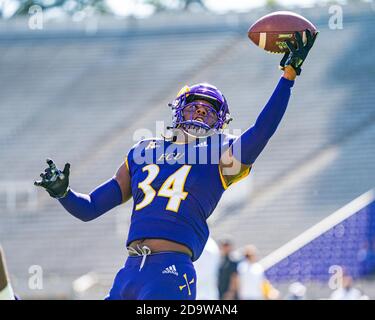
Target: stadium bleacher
78 98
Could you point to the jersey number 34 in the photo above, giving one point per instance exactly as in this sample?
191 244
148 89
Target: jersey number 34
172 188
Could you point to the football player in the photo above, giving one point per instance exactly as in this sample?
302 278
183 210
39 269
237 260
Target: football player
176 183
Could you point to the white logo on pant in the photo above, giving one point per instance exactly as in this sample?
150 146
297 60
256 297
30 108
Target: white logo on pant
171 269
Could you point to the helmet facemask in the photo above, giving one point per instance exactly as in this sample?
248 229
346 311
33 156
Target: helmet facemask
211 104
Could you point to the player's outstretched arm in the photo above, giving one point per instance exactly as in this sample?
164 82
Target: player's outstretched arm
250 144
85 207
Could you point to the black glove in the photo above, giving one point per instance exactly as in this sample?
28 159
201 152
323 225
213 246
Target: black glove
55 182
296 56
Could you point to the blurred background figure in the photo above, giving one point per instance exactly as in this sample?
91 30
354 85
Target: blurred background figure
6 291
251 281
347 291
296 291
227 271
366 256
207 269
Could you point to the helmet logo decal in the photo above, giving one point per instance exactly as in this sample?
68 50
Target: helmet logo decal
185 89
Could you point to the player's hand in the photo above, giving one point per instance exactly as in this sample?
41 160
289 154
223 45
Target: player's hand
55 181
296 56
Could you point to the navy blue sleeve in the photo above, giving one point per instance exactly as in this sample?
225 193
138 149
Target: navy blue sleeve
88 207
250 144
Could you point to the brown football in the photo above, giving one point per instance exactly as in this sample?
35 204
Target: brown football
270 31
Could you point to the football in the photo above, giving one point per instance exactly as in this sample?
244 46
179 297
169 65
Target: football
270 31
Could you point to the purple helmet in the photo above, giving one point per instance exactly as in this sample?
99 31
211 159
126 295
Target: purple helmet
189 98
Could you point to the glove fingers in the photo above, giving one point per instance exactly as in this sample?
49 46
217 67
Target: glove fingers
314 38
39 183
66 170
311 40
308 37
290 46
283 60
55 182
50 163
299 39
